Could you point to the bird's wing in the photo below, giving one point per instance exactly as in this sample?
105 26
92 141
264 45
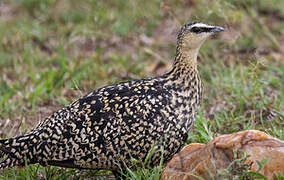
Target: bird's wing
106 116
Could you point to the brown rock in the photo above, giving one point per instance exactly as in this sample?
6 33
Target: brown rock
197 161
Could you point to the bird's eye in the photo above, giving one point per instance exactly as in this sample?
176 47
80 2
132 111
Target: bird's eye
196 30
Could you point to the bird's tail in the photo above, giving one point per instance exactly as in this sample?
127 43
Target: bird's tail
18 151
8 155
38 146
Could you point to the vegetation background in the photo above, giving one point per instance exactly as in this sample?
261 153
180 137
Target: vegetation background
54 51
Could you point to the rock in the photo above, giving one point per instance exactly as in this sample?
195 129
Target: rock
197 161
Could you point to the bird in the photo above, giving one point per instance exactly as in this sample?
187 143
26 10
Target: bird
108 127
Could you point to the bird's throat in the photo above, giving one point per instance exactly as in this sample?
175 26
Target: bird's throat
189 57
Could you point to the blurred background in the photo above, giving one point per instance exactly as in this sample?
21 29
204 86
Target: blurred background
54 51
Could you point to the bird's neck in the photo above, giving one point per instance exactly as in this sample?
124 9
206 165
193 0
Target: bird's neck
185 83
185 63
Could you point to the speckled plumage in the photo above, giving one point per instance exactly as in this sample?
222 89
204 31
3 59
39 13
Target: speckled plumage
112 124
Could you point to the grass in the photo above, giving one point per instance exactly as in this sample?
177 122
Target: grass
53 51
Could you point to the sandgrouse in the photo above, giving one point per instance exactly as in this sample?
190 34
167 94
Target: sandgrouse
107 127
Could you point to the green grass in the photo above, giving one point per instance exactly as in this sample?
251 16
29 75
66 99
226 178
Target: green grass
54 51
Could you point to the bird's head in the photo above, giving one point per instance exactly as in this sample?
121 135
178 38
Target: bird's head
192 35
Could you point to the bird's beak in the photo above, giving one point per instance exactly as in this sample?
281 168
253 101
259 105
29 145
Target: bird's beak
217 29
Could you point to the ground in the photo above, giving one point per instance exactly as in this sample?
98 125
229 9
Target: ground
54 51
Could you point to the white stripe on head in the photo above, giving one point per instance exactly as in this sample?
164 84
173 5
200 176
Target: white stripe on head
201 25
